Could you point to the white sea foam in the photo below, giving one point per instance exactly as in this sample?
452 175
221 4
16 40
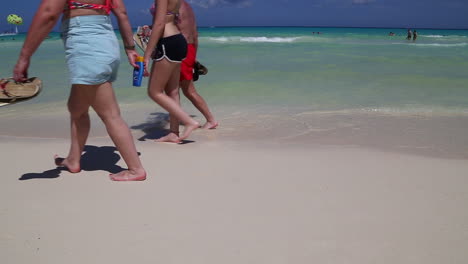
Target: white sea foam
236 39
267 39
432 36
220 39
418 110
442 45
464 44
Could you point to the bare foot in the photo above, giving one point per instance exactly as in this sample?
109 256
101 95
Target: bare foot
61 162
210 125
127 175
170 138
188 130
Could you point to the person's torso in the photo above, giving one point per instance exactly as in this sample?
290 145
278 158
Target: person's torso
171 17
187 23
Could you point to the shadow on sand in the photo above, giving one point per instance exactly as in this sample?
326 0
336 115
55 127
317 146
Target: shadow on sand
93 159
155 127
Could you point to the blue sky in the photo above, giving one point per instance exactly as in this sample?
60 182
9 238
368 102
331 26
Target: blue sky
345 13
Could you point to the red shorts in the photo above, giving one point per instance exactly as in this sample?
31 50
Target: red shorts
186 68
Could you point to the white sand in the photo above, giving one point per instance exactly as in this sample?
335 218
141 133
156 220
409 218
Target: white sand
221 202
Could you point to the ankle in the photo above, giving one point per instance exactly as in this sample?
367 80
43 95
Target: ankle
137 171
72 160
195 123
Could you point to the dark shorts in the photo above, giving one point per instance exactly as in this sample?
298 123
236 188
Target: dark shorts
173 48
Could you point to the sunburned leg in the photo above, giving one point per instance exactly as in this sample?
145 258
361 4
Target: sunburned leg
106 107
166 73
191 93
210 125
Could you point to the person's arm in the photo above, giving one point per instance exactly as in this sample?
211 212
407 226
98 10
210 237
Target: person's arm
125 29
156 32
195 36
44 20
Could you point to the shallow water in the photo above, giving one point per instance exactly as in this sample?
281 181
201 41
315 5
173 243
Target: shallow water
340 69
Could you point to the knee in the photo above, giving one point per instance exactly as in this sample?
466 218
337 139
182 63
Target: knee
109 117
155 95
77 115
174 93
189 93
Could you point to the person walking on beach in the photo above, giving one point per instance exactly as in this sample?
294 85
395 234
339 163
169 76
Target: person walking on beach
93 56
409 35
188 27
168 48
415 35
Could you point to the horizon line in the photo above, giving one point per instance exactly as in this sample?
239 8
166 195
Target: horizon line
427 28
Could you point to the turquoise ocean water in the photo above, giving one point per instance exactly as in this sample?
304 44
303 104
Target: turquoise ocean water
338 69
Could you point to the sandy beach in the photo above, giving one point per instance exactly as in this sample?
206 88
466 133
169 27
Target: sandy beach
253 191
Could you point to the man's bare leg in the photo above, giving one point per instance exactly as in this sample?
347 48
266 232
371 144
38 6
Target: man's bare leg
191 93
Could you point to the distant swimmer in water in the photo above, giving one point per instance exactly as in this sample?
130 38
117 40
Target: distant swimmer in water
408 37
391 34
415 35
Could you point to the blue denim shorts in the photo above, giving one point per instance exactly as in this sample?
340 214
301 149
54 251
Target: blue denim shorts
91 49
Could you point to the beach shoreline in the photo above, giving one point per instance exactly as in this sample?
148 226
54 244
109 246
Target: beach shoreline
424 134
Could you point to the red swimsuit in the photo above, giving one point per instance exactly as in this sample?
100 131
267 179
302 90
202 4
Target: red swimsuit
78 5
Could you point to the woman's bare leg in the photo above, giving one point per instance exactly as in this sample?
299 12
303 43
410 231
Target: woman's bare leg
78 105
162 73
173 136
108 110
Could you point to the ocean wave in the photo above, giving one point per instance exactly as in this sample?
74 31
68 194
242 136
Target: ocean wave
464 44
255 39
326 39
266 39
421 111
402 111
442 45
432 36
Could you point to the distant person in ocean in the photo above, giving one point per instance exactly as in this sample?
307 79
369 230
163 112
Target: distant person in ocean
409 35
391 34
415 35
93 63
